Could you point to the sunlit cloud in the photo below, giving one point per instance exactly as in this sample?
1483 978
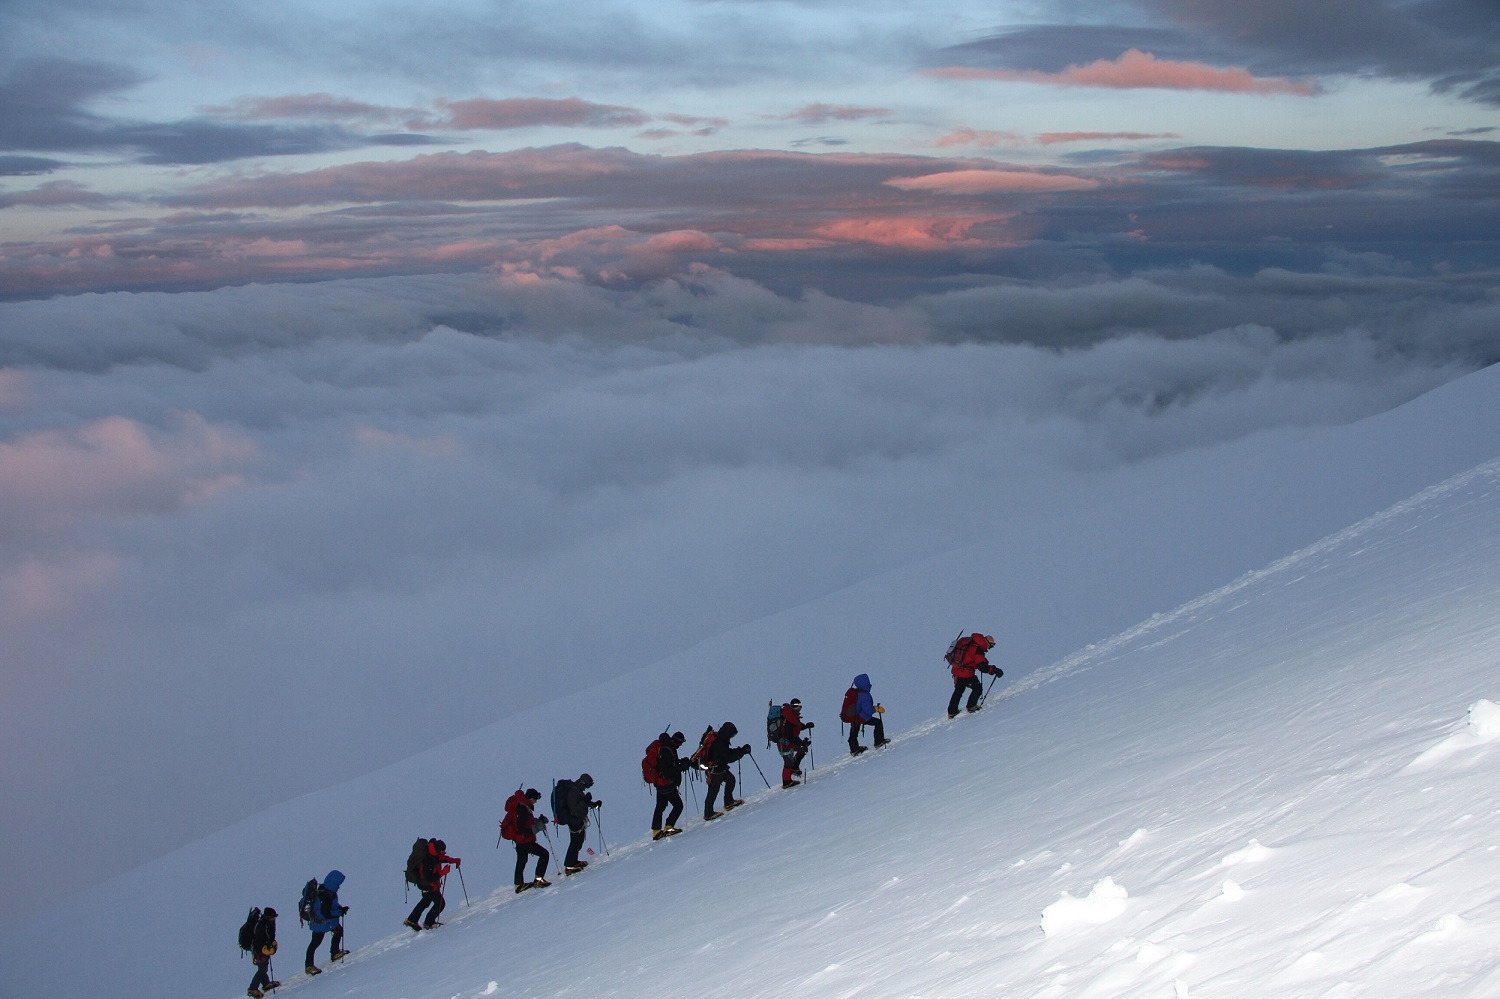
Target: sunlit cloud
113 466
992 182
977 137
911 232
1135 69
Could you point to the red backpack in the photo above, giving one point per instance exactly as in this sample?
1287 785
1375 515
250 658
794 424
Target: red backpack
846 713
508 824
700 755
648 764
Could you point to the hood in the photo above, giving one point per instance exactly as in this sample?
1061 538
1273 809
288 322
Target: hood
862 682
728 730
334 879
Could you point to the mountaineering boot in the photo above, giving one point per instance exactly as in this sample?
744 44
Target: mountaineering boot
733 803
339 955
952 715
974 708
431 924
540 882
522 886
881 742
313 970
254 993
658 833
273 985
670 831
572 869
412 923
856 750
790 783
710 816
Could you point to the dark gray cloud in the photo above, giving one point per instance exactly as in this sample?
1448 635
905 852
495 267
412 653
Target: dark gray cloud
1453 44
44 108
27 166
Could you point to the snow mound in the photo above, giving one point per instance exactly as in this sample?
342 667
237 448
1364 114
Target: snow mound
1105 902
1483 728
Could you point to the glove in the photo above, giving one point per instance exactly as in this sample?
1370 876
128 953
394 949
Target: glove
458 862
599 803
343 910
809 725
879 710
269 948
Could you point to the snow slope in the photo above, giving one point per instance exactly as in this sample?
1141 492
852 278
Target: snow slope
1279 789
1317 708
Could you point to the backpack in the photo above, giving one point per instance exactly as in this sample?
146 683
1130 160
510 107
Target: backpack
774 724
700 755
305 906
560 813
955 653
508 824
247 929
414 862
649 772
851 699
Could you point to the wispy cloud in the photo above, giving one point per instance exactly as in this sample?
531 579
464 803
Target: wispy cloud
1050 138
992 182
1135 69
822 114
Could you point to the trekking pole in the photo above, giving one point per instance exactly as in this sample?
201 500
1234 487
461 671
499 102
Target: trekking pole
500 835
759 771
599 829
986 695
547 832
460 870
693 787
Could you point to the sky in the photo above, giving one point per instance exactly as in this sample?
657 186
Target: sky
370 373
868 149
1280 786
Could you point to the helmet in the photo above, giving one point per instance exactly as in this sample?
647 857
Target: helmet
796 704
585 780
990 640
679 738
268 912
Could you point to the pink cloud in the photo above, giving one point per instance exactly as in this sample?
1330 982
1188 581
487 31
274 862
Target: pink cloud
1136 69
683 241
531 112
992 182
770 244
972 137
1048 138
39 586
908 232
113 466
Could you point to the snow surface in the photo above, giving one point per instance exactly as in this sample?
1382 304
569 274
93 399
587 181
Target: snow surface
1215 803
1282 788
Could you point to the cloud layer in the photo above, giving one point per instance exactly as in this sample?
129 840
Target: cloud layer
253 512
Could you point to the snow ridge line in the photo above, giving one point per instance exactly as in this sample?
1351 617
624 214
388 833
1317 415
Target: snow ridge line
1098 651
